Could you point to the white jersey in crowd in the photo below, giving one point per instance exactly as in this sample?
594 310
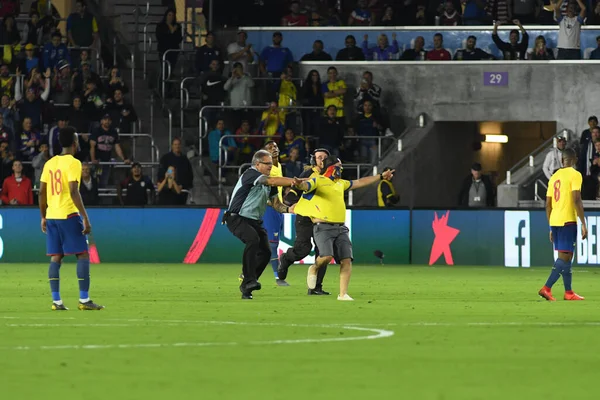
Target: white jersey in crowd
235 48
552 162
569 32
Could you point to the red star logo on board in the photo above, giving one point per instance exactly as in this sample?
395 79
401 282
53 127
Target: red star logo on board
444 235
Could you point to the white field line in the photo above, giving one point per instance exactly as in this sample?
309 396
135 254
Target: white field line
374 334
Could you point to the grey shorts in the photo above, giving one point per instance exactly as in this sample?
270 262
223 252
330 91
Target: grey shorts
333 240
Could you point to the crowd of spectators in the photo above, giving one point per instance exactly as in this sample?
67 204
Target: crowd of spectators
300 112
48 81
298 13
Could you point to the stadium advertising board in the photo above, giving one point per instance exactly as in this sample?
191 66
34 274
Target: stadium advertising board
190 235
526 233
513 238
457 237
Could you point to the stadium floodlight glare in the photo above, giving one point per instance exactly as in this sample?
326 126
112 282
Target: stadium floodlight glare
496 139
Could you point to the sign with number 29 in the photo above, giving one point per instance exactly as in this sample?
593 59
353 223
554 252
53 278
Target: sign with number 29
495 78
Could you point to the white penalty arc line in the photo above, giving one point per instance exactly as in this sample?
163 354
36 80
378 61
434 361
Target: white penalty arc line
375 334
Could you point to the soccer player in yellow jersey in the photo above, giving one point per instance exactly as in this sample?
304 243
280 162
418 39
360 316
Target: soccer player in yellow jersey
273 220
64 219
563 207
327 210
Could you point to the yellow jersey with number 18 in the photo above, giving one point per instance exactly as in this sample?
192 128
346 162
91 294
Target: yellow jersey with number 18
57 173
561 186
277 171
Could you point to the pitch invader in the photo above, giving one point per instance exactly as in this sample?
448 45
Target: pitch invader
563 207
64 219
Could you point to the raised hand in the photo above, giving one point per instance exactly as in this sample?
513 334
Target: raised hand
388 175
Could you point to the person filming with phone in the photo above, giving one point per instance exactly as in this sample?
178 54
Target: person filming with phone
169 190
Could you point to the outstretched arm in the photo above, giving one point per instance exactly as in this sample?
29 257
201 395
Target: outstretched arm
274 181
369 180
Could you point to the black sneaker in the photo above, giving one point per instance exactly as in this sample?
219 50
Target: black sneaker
282 269
252 286
246 296
90 305
281 282
59 307
317 292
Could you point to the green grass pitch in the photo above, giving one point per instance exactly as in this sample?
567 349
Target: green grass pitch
182 332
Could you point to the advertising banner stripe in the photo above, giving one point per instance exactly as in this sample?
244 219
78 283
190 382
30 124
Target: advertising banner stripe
204 233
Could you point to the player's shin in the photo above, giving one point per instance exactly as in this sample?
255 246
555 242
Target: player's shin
274 257
54 278
567 276
555 273
83 276
345 273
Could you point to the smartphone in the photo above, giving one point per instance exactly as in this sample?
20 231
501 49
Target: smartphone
170 171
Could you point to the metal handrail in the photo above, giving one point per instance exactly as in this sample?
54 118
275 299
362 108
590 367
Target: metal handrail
543 184
527 159
170 113
187 93
170 68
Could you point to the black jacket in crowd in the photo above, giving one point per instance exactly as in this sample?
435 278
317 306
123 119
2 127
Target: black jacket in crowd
463 199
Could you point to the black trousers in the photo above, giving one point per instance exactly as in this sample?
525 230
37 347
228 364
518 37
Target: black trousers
257 253
303 246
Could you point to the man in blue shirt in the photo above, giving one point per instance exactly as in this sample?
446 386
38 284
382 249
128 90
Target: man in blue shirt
229 145
273 61
55 51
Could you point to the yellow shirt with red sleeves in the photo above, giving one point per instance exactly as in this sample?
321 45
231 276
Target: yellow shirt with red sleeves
561 186
324 199
57 173
277 171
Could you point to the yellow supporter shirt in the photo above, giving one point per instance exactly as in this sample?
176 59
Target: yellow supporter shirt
57 173
271 126
277 171
324 199
287 94
561 186
337 101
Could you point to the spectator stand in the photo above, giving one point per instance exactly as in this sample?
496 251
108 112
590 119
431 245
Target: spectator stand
300 39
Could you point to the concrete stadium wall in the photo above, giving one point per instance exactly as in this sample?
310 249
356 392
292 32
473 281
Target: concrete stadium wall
565 92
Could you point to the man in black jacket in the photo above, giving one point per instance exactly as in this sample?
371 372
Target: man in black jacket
351 52
207 53
512 50
213 90
477 190
331 131
304 229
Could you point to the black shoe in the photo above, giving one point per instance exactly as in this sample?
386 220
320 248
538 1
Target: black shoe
282 269
252 286
317 292
246 296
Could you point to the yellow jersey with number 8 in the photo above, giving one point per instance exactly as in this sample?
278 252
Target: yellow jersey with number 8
561 186
57 173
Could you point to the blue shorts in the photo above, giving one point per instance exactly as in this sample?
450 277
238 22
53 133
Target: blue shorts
65 237
565 238
273 222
